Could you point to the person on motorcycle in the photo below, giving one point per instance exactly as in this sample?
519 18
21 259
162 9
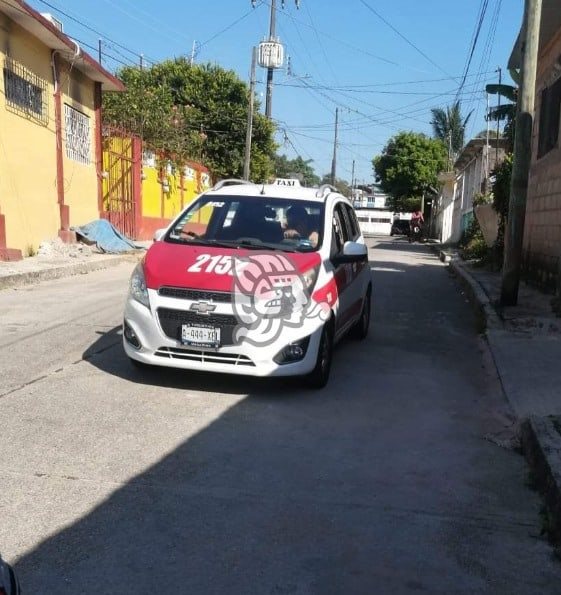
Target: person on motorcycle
417 221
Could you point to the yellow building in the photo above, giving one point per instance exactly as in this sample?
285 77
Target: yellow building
50 131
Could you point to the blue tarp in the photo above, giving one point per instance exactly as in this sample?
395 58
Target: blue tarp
106 237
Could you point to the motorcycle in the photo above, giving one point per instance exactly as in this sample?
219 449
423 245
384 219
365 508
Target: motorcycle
416 233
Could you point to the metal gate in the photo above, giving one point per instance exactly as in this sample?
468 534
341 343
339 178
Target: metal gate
121 179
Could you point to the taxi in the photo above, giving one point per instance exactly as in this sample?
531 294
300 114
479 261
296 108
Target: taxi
254 279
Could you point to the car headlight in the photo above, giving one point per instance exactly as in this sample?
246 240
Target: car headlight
310 277
138 289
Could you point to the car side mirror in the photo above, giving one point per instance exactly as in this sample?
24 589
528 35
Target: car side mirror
159 234
352 252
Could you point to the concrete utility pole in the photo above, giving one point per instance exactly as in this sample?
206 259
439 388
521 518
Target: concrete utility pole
498 120
247 159
334 162
272 30
522 154
353 182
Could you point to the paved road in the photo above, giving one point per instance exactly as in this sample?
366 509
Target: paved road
115 481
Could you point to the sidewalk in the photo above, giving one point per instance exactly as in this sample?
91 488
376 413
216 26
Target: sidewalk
525 342
56 261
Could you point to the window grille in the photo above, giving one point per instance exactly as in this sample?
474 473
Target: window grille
77 135
25 92
549 118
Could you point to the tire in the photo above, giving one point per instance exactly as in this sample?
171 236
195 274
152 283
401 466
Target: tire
359 331
319 376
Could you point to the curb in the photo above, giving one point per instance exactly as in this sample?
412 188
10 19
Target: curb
540 442
486 314
540 436
64 270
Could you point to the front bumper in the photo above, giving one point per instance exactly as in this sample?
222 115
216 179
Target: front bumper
251 356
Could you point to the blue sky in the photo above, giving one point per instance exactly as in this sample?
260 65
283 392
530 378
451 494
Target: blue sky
383 76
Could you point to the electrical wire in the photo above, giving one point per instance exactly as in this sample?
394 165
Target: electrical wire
406 39
91 29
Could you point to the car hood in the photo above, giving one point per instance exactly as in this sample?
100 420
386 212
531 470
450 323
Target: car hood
210 268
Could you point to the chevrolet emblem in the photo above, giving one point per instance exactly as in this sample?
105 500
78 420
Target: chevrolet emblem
202 307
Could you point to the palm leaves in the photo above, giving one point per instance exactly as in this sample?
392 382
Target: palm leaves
449 126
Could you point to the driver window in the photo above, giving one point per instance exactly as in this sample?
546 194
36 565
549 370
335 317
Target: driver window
339 236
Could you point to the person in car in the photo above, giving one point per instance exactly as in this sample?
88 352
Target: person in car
298 226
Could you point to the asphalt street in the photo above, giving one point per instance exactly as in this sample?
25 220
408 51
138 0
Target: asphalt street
388 481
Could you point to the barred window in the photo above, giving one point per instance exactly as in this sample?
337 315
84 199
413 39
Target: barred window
77 135
549 118
26 93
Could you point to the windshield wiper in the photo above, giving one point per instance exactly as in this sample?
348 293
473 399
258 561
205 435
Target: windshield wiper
258 244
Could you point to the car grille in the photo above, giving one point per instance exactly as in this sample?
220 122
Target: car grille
195 294
171 321
233 359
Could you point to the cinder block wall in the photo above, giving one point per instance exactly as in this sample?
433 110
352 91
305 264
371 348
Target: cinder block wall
542 234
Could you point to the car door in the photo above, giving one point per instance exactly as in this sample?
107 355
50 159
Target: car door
342 271
356 271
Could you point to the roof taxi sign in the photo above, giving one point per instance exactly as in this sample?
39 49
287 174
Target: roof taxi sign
294 182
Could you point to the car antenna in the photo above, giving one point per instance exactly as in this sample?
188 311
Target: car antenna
263 189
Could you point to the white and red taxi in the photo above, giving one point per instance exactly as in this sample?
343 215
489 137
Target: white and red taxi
252 279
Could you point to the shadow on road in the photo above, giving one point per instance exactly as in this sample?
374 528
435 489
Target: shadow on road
347 490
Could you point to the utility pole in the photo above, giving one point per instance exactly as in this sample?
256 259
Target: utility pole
334 162
514 235
193 52
99 42
249 130
272 30
141 61
498 120
271 53
487 149
353 182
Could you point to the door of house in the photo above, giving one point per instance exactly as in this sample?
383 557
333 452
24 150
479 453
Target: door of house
121 184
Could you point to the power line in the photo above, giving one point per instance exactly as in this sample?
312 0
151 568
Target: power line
90 28
406 39
239 20
475 38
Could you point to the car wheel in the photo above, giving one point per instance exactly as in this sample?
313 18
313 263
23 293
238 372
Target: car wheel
360 329
319 376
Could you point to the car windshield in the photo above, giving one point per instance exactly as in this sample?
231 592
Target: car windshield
252 222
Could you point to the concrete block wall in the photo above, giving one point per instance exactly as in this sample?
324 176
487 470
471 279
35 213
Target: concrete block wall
542 232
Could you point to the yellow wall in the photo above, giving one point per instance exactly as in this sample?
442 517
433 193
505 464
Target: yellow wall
80 180
28 194
28 189
152 186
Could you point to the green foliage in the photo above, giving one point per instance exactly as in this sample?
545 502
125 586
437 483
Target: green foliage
500 189
408 167
449 125
194 112
482 199
289 168
472 243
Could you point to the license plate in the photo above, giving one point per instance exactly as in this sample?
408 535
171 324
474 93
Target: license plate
200 336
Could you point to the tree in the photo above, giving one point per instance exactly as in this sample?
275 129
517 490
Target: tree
449 126
408 168
194 112
290 168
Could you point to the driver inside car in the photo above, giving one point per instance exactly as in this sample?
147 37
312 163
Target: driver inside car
298 226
